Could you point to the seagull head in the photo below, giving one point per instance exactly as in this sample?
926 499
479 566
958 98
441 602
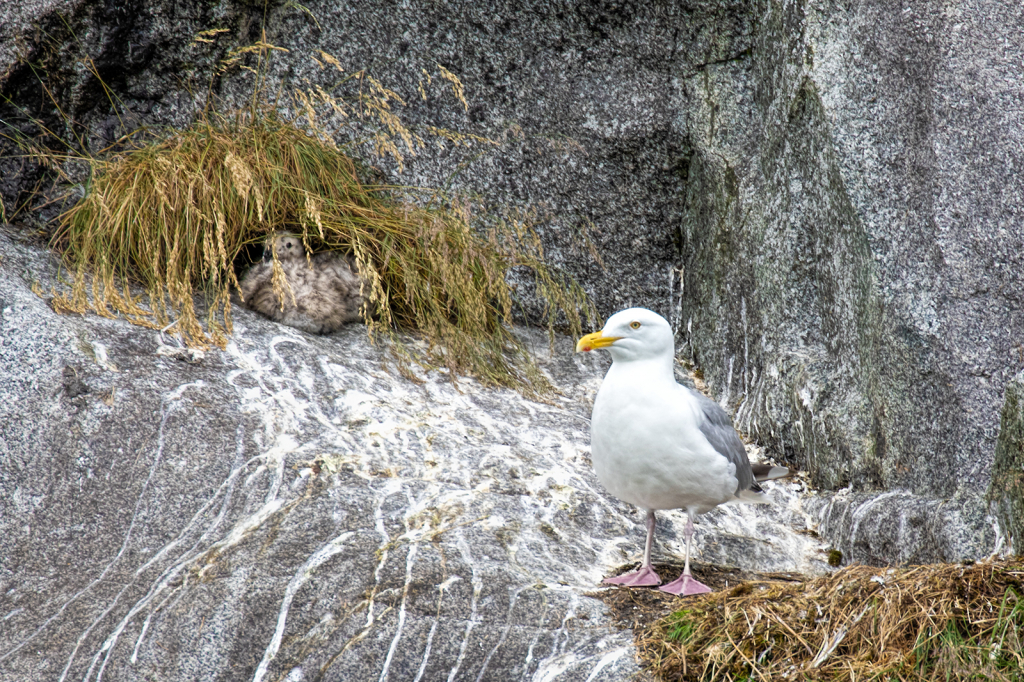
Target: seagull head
632 334
288 246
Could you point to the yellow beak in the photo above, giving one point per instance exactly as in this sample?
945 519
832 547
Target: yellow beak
593 341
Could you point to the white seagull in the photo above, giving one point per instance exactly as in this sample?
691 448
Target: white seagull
659 445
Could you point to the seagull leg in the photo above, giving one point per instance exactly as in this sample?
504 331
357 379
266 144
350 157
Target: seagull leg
645 575
686 583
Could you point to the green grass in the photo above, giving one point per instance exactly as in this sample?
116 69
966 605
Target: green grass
680 626
964 651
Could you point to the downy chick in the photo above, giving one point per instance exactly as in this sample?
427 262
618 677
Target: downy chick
326 287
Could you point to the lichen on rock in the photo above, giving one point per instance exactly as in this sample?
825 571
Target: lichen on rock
1006 492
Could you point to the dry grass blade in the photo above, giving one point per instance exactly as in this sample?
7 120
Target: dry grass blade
948 622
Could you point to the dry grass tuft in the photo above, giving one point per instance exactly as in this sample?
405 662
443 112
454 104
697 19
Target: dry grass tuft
172 216
945 622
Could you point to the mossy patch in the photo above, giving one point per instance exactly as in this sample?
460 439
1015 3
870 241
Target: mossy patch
1006 491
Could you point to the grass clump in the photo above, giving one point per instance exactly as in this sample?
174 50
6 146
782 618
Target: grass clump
939 622
174 215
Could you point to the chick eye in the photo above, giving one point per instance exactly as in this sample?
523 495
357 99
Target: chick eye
634 324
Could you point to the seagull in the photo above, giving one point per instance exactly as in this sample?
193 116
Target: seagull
659 445
324 290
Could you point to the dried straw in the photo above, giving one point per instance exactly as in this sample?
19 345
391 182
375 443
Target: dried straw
945 621
172 216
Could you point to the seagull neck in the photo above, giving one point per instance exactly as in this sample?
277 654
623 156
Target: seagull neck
648 369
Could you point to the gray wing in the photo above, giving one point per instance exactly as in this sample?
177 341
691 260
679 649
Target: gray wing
718 429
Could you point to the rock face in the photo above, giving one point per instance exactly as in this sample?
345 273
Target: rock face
825 198
290 509
853 258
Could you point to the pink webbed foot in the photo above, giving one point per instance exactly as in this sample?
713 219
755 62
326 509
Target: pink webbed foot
685 585
645 577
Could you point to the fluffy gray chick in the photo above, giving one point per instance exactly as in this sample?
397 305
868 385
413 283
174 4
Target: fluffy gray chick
326 287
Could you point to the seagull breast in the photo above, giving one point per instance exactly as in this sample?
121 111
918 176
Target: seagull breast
648 449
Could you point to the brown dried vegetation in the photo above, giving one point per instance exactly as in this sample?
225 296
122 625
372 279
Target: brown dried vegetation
163 221
936 622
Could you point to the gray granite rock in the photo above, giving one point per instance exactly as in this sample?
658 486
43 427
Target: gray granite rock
823 197
853 264
289 508
900 527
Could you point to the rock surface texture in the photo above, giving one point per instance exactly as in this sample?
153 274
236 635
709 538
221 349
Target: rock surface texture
289 509
823 197
853 241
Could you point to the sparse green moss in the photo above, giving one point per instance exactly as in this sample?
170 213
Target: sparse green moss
680 626
1006 490
548 530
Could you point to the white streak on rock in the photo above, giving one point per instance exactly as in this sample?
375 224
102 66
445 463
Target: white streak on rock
169 403
145 627
335 546
433 626
409 559
533 643
504 633
467 556
606 660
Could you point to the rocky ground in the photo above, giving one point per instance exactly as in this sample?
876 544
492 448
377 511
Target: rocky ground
293 508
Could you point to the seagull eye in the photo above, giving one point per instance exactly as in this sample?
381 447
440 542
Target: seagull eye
634 324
